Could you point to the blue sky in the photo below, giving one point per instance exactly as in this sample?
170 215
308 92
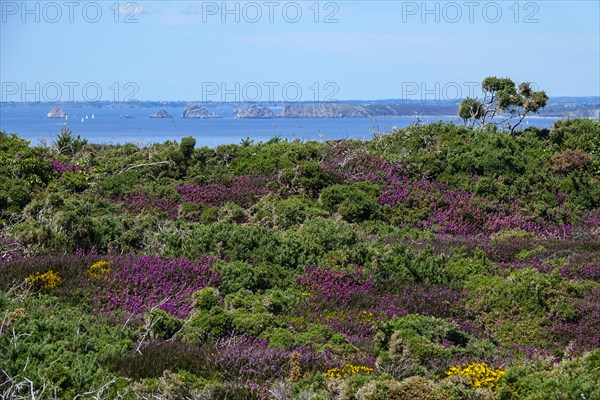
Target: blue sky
283 50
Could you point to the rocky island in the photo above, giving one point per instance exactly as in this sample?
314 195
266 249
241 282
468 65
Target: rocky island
323 110
351 110
57 112
161 114
195 110
254 111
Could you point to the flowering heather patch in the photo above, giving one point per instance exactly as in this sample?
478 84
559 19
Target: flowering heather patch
242 190
10 250
583 331
592 221
62 168
140 203
139 283
422 299
568 269
458 212
347 162
245 358
349 303
330 288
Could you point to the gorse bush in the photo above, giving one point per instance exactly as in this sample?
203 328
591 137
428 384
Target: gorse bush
479 374
58 345
46 281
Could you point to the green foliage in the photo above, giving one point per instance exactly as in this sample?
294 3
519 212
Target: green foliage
354 202
187 147
239 275
471 109
68 144
417 343
59 345
75 181
502 95
415 387
249 243
164 325
19 194
569 379
231 212
524 292
205 299
533 300
210 325
294 211
319 336
119 185
307 179
252 323
315 239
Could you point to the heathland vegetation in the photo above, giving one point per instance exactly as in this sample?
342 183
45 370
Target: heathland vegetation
434 262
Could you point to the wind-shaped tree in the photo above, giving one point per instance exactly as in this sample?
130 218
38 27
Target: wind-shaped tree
502 97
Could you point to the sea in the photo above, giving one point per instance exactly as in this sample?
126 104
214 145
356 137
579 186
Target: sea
134 125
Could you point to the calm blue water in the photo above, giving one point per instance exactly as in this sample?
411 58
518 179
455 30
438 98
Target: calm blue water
107 126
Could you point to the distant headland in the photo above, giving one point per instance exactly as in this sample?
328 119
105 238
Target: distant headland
560 107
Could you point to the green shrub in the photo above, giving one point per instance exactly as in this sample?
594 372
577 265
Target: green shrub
205 299
231 212
570 379
251 323
294 211
418 343
354 202
239 275
164 325
210 325
60 345
306 179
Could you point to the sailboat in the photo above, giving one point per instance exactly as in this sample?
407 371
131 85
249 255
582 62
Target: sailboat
81 119
93 116
86 117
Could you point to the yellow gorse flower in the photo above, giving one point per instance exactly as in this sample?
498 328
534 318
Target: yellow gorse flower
479 374
366 316
99 269
47 280
348 370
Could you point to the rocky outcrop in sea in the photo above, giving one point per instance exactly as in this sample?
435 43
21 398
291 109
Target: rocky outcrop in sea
57 112
161 114
195 110
254 111
323 110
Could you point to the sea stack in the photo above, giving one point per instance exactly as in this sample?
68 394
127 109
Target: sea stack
57 112
161 114
254 111
195 110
